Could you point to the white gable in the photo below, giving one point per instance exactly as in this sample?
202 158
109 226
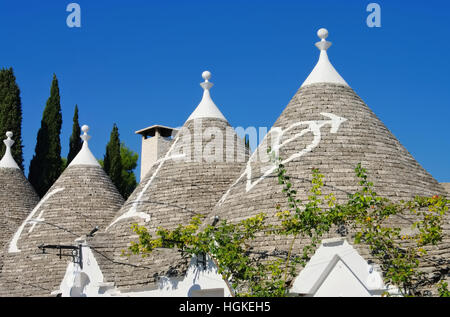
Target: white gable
337 269
341 281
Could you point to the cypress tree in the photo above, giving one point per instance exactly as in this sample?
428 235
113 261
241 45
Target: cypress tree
75 142
247 142
129 163
46 165
11 114
112 162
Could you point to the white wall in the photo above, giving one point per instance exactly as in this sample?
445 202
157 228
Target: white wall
336 269
89 282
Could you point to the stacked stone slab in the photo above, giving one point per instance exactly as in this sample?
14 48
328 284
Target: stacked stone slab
327 126
446 187
17 199
175 189
82 198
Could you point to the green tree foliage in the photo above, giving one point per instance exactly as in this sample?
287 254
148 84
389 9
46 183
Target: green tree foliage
128 181
443 289
11 114
253 274
247 142
46 165
129 163
64 163
75 142
112 162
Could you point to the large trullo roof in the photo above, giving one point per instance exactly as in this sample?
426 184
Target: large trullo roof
325 126
17 196
200 165
82 198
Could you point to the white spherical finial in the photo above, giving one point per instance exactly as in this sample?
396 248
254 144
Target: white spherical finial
7 160
85 137
206 75
322 33
9 142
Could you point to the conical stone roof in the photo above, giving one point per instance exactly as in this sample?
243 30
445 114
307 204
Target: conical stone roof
17 196
327 126
82 198
189 180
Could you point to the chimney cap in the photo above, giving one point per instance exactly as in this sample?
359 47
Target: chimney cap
163 131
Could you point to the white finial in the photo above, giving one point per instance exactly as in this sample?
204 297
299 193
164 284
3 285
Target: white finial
324 72
206 75
85 137
206 108
322 34
85 156
9 142
323 45
8 160
206 84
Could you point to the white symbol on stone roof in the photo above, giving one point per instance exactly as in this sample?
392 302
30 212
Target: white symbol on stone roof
277 134
36 220
13 248
206 109
133 212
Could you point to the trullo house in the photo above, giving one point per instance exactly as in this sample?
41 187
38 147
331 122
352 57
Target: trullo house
51 238
327 126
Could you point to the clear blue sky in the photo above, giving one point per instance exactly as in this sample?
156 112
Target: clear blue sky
139 63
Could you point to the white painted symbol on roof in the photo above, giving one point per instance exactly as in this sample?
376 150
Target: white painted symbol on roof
133 211
13 244
277 134
37 220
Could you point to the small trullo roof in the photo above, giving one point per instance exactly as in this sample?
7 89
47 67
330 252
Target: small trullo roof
82 198
17 196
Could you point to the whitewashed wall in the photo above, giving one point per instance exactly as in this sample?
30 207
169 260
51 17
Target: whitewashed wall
336 269
89 282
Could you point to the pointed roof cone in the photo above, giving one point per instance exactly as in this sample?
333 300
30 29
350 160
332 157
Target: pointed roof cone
17 196
324 72
82 198
325 126
204 158
85 156
207 108
8 161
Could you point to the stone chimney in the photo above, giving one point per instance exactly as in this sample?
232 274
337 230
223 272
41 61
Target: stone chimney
156 140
